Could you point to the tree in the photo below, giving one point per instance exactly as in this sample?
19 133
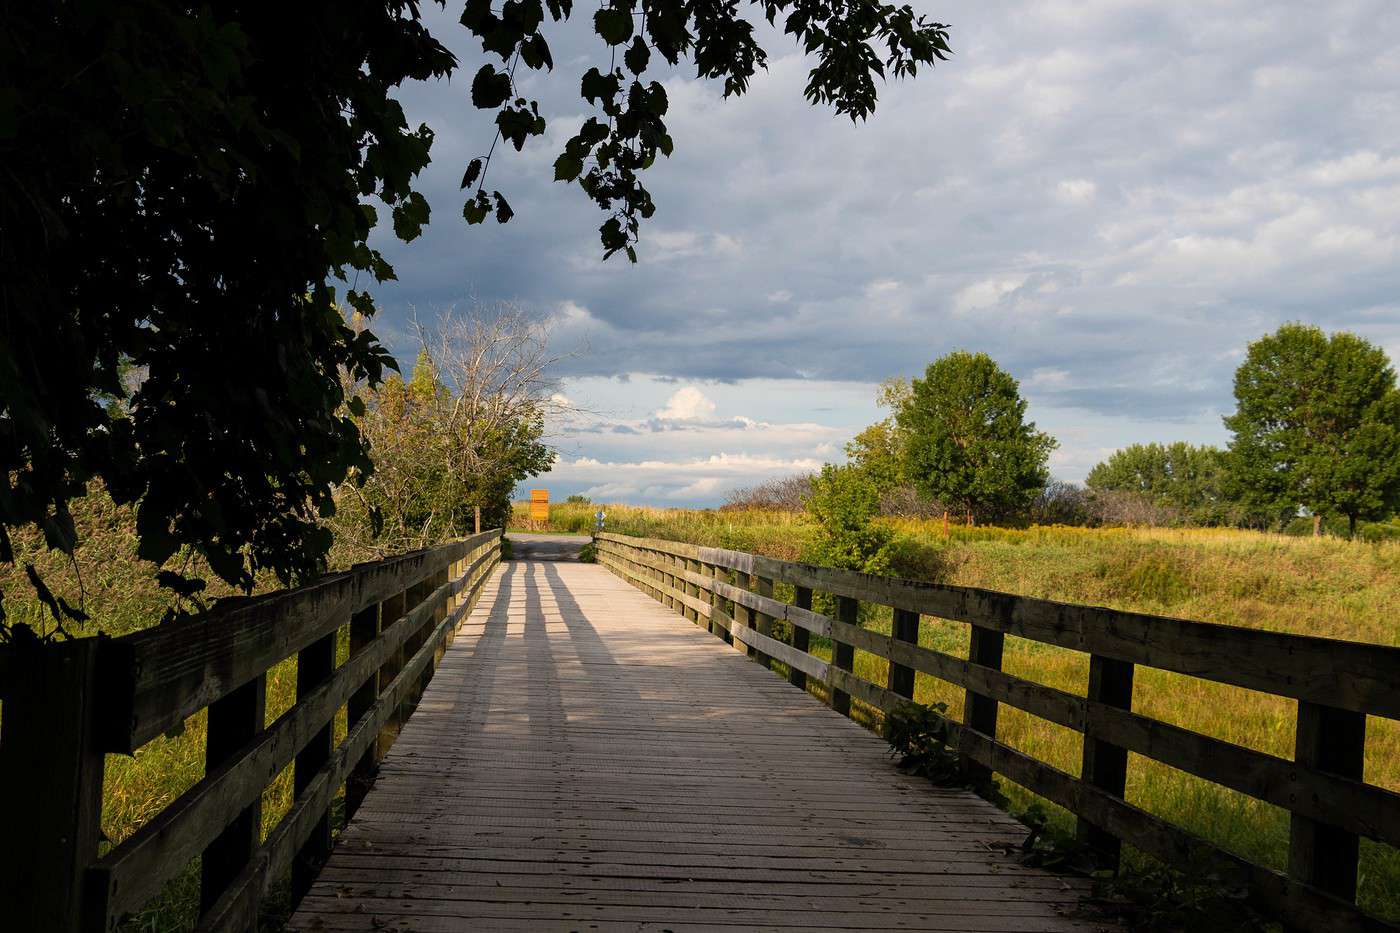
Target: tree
1180 476
185 185
879 449
1317 426
967 441
457 436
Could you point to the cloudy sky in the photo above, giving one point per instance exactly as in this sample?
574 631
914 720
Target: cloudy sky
1111 197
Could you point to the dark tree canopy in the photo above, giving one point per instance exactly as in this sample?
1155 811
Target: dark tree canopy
1317 426
967 443
183 187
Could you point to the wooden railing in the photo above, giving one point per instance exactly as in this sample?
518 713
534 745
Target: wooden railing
67 705
1336 683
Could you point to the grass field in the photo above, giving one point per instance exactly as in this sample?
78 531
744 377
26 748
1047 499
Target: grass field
1326 587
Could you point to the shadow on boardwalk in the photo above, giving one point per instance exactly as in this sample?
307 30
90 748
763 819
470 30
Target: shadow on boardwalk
586 760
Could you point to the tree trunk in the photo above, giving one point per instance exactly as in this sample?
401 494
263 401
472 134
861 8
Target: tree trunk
1351 527
1317 524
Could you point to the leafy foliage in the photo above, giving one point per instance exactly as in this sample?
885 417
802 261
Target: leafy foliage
844 502
1317 425
1186 478
457 436
182 185
967 441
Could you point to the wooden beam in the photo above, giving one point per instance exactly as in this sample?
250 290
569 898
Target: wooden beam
1104 764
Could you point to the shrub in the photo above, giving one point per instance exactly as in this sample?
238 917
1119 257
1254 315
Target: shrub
783 494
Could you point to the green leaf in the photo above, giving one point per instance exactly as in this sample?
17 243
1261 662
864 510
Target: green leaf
490 88
637 56
567 168
614 25
472 173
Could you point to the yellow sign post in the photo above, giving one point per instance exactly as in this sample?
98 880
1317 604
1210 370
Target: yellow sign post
539 505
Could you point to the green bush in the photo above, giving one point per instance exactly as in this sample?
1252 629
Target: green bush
844 502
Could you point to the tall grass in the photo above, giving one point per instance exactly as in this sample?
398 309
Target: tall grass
1326 587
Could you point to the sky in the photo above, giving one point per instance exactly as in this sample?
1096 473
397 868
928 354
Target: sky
1109 197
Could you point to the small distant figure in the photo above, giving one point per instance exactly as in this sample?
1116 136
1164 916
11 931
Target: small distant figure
600 515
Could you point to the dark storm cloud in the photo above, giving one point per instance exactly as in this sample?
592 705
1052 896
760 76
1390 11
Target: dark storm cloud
1112 198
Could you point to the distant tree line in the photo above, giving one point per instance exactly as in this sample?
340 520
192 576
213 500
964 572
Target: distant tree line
1316 441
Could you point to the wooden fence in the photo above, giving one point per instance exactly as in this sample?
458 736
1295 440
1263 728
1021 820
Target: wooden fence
67 705
1336 683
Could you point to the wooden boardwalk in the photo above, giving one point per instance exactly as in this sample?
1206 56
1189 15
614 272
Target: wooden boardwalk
585 759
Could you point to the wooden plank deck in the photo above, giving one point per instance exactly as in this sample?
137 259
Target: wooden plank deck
585 759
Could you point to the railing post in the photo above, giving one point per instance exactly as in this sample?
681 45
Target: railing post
690 589
843 655
391 610
905 629
667 580
1331 740
364 629
315 664
1105 765
711 571
51 768
763 586
980 712
233 721
742 614
801 638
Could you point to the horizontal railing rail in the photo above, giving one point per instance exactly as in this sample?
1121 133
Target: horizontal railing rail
68 705
1337 685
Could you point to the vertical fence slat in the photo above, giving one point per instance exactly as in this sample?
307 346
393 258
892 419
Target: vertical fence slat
233 721
391 610
1332 740
51 771
763 622
842 654
315 664
1105 765
801 638
905 628
979 711
364 629
742 615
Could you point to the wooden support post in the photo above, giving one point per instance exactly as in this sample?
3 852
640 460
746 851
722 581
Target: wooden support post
51 768
742 614
315 664
763 586
711 571
906 629
691 589
1331 740
842 654
801 638
476 519
980 712
364 629
391 610
234 720
1105 765
664 580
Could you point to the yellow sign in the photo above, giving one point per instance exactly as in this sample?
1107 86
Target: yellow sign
539 505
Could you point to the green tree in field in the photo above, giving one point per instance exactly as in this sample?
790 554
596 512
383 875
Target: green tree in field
879 449
1182 476
967 442
1317 426
844 502
186 186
